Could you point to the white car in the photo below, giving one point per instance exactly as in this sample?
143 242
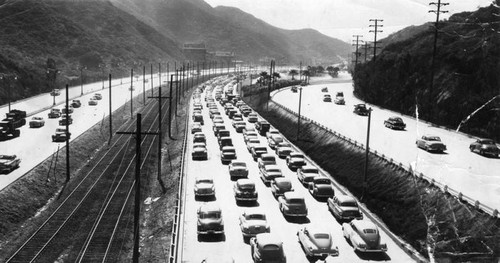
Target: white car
364 236
253 222
317 242
37 122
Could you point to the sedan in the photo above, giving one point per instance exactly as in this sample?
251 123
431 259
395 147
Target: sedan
253 222
344 207
267 247
92 102
239 125
281 185
252 117
292 204
485 147
204 187
321 187
270 172
431 143
37 122
199 151
195 127
317 242
244 190
295 160
238 169
251 142
283 149
306 174
364 236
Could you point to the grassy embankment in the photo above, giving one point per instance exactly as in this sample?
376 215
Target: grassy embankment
413 209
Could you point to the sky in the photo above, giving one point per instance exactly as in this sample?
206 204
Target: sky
342 19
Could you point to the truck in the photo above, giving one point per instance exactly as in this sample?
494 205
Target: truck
9 126
8 163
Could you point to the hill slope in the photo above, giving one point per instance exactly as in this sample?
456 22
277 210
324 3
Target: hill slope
466 75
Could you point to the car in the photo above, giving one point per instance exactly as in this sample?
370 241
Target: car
37 122
97 96
262 127
361 109
339 98
60 135
9 163
239 125
274 140
344 207
270 172
66 119
295 160
325 89
253 222
92 102
267 247
195 127
252 117
244 190
248 134
225 141
246 111
199 137
485 147
198 117
305 174
316 242
327 98
222 133
237 169
204 186
249 128
292 204
265 159
431 143
76 103
199 151
281 185
55 92
210 220
395 123
227 154
294 89
271 132
54 113
321 187
70 110
218 120
252 141
283 149
364 236
197 105
257 150
214 112
217 127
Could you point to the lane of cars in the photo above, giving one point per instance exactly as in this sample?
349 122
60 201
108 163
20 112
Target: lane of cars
276 216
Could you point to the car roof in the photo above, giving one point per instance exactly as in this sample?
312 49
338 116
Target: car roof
289 195
208 207
245 181
264 239
317 229
364 224
267 155
228 148
279 180
344 198
271 166
254 211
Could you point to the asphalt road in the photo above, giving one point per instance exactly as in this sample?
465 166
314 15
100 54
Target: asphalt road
195 250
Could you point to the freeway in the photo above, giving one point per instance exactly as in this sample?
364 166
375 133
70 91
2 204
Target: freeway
194 249
474 175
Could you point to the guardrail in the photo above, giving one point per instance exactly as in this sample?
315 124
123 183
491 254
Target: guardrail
409 170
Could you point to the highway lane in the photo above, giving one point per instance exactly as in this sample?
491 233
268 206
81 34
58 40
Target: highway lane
474 175
195 250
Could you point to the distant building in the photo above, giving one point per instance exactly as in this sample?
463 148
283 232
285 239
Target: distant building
222 57
195 51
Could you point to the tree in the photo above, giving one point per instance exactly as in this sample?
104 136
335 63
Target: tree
293 72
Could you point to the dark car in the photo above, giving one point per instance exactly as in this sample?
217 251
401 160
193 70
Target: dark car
361 109
262 127
281 185
485 147
267 247
321 187
292 204
227 154
257 151
395 123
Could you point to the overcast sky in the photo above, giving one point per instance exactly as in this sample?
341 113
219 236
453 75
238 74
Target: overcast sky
343 18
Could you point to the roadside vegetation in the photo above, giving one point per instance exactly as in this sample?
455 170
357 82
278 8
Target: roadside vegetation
421 214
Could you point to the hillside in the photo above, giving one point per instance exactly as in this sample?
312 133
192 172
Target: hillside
466 75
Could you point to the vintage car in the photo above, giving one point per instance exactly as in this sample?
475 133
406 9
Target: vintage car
485 147
70 110
37 122
204 186
295 160
214 112
271 132
225 141
252 141
361 109
321 187
66 119
281 185
227 154
274 140
97 96
344 207
199 151
195 127
54 113
60 135
55 92
270 172
218 120
252 117
316 242
245 111
237 169
283 149
199 137
217 127
257 151
239 125
253 222
364 236
244 190
262 127
292 204
431 143
339 98
223 133
249 134
76 103
324 89
327 98
92 102
8 163
267 247
249 128
306 174
198 117
294 89
265 159
209 220
395 123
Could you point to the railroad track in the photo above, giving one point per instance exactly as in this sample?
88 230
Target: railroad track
83 226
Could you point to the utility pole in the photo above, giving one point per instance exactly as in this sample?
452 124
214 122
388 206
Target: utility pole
68 176
376 25
434 52
170 107
366 46
144 84
298 119
300 71
131 90
269 84
110 114
81 80
356 54
367 151
137 205
152 86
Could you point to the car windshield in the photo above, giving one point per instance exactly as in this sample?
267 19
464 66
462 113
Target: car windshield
488 142
285 185
211 214
229 150
247 186
260 149
201 146
349 204
322 181
296 201
238 164
321 236
310 170
284 145
433 138
271 251
370 231
297 155
254 140
273 170
205 180
256 216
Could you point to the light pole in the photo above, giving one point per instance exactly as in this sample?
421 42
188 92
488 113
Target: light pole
81 79
102 66
367 151
298 120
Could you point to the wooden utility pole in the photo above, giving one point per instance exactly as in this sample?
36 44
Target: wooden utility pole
366 46
376 25
68 176
110 114
367 151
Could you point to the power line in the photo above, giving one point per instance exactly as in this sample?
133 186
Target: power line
357 53
376 26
